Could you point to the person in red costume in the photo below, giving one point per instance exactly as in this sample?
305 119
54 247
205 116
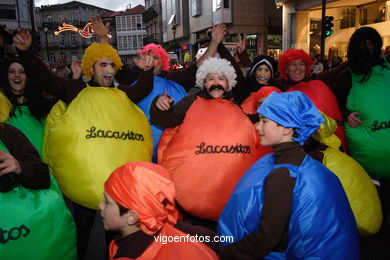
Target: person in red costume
294 68
139 202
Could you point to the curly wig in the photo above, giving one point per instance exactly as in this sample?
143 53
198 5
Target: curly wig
39 105
290 55
360 58
5 107
216 65
97 51
158 50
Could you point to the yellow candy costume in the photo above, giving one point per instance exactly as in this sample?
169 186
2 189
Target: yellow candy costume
84 142
361 192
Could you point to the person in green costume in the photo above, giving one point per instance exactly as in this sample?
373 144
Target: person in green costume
34 221
363 94
29 105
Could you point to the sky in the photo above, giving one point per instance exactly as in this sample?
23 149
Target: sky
115 5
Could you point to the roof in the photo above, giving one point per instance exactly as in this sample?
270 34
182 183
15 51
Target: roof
139 9
70 5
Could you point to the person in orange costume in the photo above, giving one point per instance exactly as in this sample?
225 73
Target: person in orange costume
253 102
139 202
294 68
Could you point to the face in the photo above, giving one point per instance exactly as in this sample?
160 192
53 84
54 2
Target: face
296 70
112 219
103 72
260 102
16 78
216 79
157 64
270 132
263 74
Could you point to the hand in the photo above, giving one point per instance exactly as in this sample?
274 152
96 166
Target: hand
241 45
218 33
100 28
8 164
76 69
22 39
145 60
353 121
164 102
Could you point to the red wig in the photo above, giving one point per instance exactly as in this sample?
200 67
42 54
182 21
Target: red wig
290 55
159 51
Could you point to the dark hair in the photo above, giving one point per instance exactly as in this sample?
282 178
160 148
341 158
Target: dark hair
38 105
360 59
254 85
122 210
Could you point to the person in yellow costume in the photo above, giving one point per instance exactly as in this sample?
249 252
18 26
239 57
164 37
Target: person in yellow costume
95 127
361 192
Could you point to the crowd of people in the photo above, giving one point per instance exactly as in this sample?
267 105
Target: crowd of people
288 159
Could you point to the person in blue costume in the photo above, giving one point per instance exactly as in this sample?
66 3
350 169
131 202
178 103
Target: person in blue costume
288 205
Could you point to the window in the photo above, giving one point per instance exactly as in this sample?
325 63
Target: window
50 38
135 44
374 13
128 23
348 17
195 7
49 19
52 58
140 42
225 3
61 39
120 43
72 18
118 24
72 38
61 18
7 12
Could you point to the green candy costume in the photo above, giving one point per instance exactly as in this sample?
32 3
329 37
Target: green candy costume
369 144
35 224
29 125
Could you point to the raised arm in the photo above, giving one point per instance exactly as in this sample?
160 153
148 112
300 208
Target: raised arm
145 81
64 89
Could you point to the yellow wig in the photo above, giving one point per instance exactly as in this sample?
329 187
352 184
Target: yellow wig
97 51
5 107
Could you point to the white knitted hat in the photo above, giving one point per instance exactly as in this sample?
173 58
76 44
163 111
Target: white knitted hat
216 65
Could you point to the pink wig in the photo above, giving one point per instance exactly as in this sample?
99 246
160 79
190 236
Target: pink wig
159 51
290 55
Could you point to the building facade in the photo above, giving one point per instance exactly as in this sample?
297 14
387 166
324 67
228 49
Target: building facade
68 44
302 23
14 14
130 33
259 19
152 21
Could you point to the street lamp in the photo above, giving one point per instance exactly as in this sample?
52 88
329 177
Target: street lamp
45 29
174 32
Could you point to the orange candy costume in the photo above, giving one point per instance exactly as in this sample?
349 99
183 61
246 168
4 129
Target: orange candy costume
147 189
207 154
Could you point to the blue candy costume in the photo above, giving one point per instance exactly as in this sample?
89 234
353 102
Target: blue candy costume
321 224
160 87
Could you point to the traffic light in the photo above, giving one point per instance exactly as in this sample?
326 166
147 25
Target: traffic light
328 25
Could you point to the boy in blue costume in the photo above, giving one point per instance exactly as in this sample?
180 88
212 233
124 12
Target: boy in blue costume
287 205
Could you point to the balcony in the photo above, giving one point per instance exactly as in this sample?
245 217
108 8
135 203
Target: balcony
152 38
149 13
